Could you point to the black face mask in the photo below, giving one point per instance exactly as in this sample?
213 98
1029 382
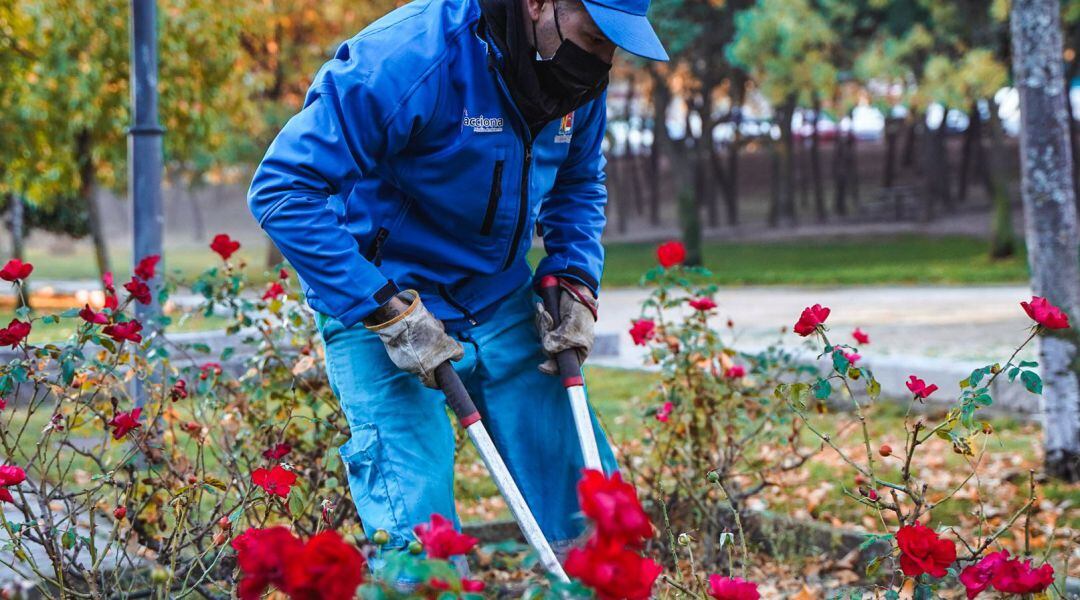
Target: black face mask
542 90
572 72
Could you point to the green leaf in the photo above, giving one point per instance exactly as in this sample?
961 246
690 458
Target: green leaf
874 566
23 312
1032 382
1013 372
200 347
822 389
976 376
892 595
70 313
873 388
68 539
1028 363
48 319
226 353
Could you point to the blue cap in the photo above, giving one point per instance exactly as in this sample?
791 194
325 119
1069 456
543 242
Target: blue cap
624 23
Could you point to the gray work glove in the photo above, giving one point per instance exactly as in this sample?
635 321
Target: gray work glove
416 341
577 312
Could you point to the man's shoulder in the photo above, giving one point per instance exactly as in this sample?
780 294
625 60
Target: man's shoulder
401 47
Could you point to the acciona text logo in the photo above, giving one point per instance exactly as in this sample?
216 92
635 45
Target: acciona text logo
481 124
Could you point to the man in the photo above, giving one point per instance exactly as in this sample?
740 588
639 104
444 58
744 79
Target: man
405 194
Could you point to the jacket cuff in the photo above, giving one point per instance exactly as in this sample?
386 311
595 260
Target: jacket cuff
381 296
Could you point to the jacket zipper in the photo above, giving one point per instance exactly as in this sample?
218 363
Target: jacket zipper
374 253
523 205
493 198
449 300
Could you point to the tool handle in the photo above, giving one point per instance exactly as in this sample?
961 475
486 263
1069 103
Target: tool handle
569 366
456 394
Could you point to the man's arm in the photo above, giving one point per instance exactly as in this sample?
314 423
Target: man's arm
572 216
350 122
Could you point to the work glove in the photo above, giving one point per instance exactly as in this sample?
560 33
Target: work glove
416 341
577 321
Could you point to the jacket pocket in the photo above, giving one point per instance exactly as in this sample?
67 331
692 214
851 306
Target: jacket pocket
493 198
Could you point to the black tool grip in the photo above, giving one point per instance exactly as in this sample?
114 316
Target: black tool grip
569 366
456 395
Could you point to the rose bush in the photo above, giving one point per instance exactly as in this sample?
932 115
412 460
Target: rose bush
224 479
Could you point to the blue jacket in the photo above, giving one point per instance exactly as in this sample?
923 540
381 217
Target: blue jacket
410 167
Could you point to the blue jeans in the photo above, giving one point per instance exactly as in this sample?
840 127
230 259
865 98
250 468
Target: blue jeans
400 458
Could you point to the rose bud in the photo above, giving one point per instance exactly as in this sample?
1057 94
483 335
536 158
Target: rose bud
192 479
885 450
860 480
381 537
224 523
415 547
120 513
220 538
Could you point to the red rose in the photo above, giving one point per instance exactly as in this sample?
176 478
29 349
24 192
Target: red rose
1042 312
123 422
919 387
703 304
3 403
128 330
16 269
977 577
735 372
273 291
178 391
10 475
277 451
224 245
439 585
852 357
642 331
283 274
263 556
811 318
14 333
209 368
860 337
1015 577
613 571
276 481
670 253
138 290
146 266
327 568
664 413
613 506
732 588
441 540
90 316
922 551
472 585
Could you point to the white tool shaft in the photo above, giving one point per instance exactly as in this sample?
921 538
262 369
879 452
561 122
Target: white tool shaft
583 422
510 492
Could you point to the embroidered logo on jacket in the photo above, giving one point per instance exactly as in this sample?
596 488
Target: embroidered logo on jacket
481 124
566 129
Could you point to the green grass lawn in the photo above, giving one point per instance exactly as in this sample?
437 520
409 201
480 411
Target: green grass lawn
907 259
894 260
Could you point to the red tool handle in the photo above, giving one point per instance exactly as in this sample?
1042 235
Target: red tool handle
569 366
456 395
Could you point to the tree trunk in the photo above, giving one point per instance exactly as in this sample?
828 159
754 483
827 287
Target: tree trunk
916 123
892 133
1072 140
787 164
690 222
972 139
731 188
1002 238
840 174
83 149
1051 219
709 154
815 163
661 100
853 165
17 224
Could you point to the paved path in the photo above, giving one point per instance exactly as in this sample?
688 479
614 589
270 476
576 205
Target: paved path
966 323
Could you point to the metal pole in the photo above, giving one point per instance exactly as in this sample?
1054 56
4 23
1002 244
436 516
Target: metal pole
144 162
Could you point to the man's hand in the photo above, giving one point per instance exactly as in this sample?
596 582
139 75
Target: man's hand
577 312
415 340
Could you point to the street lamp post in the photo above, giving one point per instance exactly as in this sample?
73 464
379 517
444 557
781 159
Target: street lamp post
144 162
